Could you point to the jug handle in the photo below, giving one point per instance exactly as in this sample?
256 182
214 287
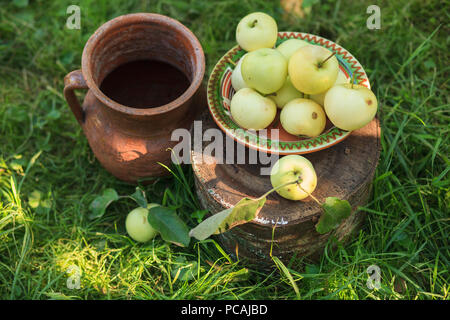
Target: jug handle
74 80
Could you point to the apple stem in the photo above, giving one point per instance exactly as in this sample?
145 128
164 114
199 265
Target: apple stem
279 187
253 23
352 80
323 62
298 181
232 62
309 194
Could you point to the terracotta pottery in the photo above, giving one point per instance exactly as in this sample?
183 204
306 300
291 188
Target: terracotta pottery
129 142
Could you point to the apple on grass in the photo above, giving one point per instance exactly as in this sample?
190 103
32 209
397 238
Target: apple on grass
303 117
320 97
137 225
289 47
255 31
264 70
285 94
350 106
251 110
294 168
313 69
237 81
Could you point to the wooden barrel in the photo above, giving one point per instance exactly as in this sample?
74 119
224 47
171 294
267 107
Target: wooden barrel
286 228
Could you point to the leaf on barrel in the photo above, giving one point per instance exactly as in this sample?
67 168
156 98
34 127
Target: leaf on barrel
169 225
100 203
335 211
244 211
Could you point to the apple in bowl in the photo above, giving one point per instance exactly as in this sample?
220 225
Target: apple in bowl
237 81
250 110
255 31
264 70
313 69
285 94
320 97
290 46
303 117
350 106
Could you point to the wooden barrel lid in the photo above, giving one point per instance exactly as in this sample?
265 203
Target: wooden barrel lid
287 227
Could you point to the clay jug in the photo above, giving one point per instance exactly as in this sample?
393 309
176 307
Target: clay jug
128 141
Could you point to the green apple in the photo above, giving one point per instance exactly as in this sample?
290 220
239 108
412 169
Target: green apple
312 69
320 97
291 168
236 77
251 110
264 70
288 47
286 93
303 117
255 31
137 225
350 106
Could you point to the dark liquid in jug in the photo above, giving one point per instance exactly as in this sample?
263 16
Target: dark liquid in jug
145 84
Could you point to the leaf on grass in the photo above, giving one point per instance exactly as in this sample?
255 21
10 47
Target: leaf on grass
312 269
34 199
18 164
37 201
139 197
99 205
169 225
53 115
309 3
184 270
240 275
280 265
244 211
20 3
335 211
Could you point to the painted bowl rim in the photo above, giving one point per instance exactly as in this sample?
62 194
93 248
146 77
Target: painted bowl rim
325 140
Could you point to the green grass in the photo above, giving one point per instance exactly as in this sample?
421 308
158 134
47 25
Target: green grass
43 153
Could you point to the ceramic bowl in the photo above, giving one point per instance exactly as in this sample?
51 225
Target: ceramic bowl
220 92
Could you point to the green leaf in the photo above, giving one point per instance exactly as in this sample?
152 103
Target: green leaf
139 197
280 265
244 211
17 164
20 3
335 211
309 3
312 269
37 201
184 270
169 225
429 64
99 205
53 115
34 199
199 215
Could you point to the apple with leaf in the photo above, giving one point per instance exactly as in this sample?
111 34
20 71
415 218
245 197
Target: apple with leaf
293 177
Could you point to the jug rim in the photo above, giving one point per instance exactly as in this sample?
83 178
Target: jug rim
136 18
